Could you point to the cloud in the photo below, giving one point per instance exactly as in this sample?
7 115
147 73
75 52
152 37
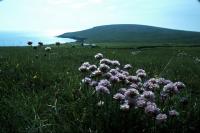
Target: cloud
96 1
59 2
78 4
112 7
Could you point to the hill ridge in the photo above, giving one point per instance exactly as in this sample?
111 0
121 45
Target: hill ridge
133 33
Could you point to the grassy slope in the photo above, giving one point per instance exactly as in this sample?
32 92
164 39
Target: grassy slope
135 34
30 85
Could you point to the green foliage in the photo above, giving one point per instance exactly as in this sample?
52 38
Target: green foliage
40 90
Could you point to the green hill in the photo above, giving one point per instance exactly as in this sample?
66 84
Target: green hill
134 33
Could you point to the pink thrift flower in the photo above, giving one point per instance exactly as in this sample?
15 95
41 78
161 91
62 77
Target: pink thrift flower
98 56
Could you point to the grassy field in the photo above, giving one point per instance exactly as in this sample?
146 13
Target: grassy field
39 90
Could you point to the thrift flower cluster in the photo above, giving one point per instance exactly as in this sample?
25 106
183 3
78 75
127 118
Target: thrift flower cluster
47 49
137 92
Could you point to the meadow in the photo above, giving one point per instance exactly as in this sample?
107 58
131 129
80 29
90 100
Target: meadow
40 90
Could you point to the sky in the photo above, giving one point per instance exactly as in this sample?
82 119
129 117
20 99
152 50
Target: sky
54 17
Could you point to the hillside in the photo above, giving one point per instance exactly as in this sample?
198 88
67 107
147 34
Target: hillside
134 33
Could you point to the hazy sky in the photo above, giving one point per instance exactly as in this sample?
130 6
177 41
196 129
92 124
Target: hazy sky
57 16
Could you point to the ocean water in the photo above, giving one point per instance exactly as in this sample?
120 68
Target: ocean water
21 39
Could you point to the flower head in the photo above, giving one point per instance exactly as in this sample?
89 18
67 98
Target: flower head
86 64
179 85
114 71
125 73
47 49
163 81
131 93
92 68
140 71
151 109
83 69
127 66
29 43
122 90
152 80
170 88
141 103
93 83
58 43
104 82
149 95
102 89
96 73
106 61
107 75
141 75
133 79
173 113
119 96
115 63
114 79
150 86
163 96
98 56
133 85
100 103
161 118
86 80
122 77
104 68
40 43
124 107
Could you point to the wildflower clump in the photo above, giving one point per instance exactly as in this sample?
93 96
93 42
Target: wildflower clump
47 49
40 44
29 43
131 91
58 43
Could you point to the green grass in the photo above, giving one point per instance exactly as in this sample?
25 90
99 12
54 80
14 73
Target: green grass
39 90
137 45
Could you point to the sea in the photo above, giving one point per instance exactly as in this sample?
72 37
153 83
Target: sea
21 39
